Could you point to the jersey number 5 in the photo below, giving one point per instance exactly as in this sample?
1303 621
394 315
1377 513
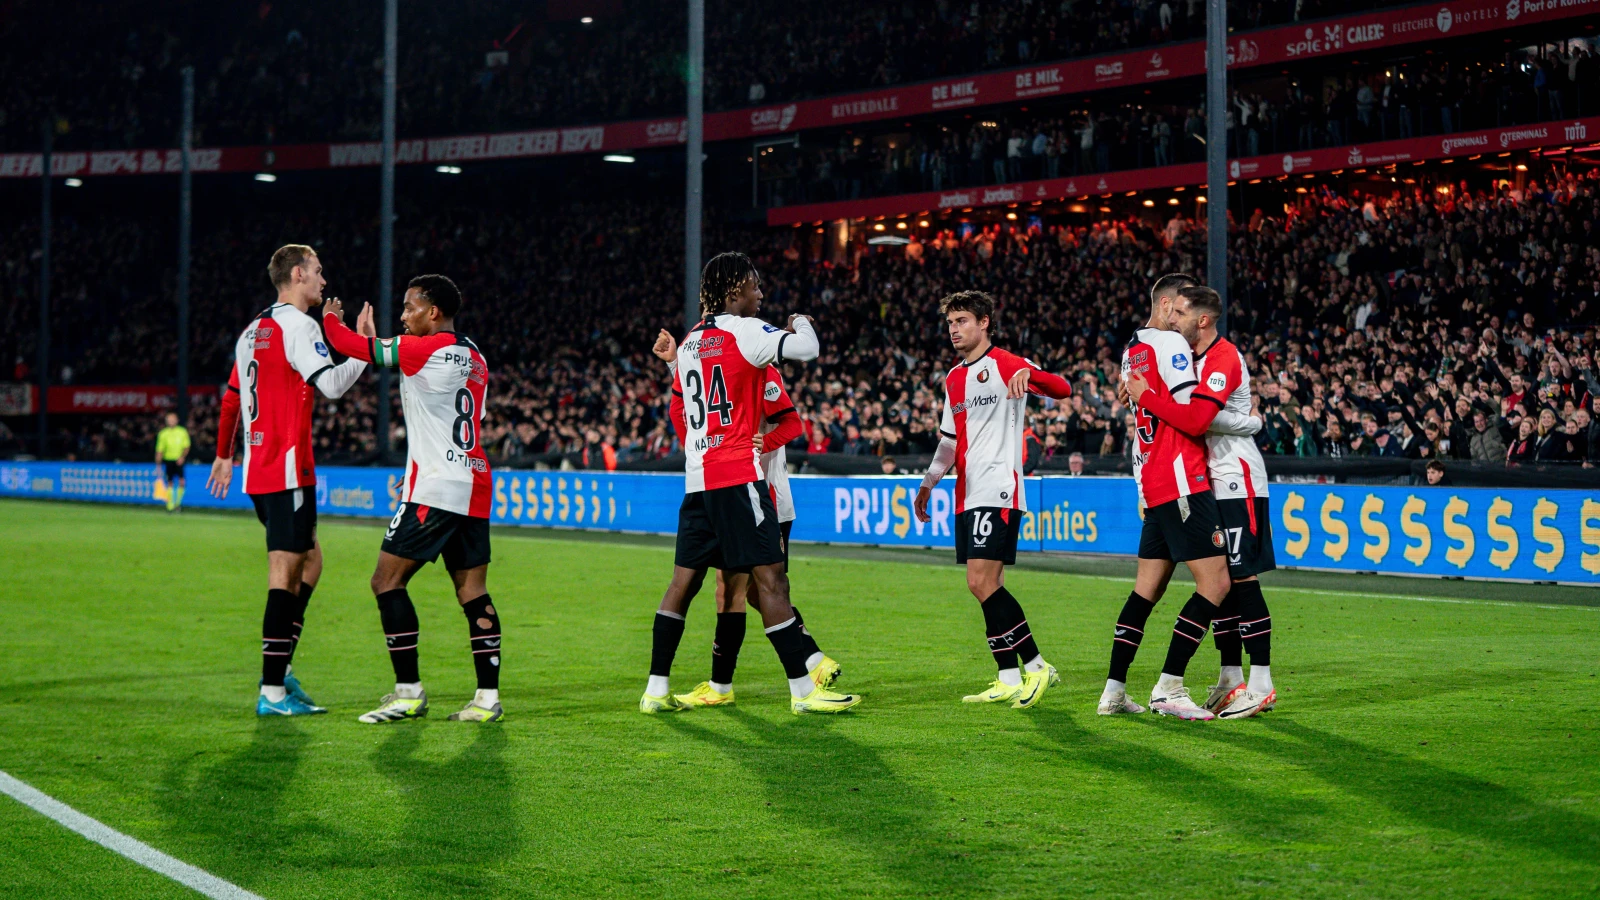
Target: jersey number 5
464 431
1144 424
713 401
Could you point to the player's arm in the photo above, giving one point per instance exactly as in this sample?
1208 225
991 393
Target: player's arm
183 453
675 410
1235 423
342 339
764 345
1023 376
1192 418
302 344
778 411
227 430
943 457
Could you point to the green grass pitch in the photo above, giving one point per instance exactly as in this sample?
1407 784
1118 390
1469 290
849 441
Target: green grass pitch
1420 749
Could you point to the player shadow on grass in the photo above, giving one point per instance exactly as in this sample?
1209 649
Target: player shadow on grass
1146 769
1426 793
224 810
459 823
821 779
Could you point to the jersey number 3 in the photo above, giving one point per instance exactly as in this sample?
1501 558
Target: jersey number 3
464 430
713 401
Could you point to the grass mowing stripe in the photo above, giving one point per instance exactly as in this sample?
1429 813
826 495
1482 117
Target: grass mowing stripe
198 880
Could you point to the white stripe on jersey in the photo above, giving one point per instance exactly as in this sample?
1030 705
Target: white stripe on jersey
1179 475
290 476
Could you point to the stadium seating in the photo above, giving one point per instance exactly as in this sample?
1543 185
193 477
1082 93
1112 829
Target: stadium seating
1415 311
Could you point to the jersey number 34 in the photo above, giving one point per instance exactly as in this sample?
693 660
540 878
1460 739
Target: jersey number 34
713 401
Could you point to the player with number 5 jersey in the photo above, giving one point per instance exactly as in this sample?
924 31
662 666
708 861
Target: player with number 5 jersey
444 508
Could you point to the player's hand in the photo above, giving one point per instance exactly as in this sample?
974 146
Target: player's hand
367 322
666 348
920 505
221 477
760 442
1018 385
1136 386
789 326
1122 392
332 307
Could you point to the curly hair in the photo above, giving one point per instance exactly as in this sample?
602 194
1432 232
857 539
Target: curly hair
722 277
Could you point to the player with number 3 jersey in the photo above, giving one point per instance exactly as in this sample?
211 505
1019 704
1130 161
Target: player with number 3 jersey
278 362
444 508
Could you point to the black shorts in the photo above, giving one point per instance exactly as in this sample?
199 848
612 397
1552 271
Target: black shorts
1169 534
988 532
290 517
733 529
172 470
423 533
785 528
1248 529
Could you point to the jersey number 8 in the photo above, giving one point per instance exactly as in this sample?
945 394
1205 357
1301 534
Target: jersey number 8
464 431
714 401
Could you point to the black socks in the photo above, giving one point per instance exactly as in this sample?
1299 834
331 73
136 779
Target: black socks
1128 634
1007 630
298 617
400 633
1225 627
1187 633
725 646
277 636
664 643
811 642
788 640
483 631
1255 623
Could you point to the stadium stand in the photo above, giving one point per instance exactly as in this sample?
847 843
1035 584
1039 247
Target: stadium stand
294 70
1376 325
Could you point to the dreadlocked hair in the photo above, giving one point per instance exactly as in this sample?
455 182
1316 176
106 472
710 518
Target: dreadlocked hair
722 277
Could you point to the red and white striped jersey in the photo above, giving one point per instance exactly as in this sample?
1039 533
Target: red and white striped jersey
1237 469
443 384
776 406
987 427
278 360
718 390
1167 464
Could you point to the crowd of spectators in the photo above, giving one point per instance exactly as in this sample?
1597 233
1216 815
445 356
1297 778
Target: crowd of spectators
1419 322
1277 115
294 71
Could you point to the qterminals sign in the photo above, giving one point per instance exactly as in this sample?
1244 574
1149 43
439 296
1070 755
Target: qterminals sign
1526 535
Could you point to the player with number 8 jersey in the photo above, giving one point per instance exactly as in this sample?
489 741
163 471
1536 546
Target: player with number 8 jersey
445 491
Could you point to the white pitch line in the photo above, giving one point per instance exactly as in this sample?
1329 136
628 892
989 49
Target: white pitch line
145 855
